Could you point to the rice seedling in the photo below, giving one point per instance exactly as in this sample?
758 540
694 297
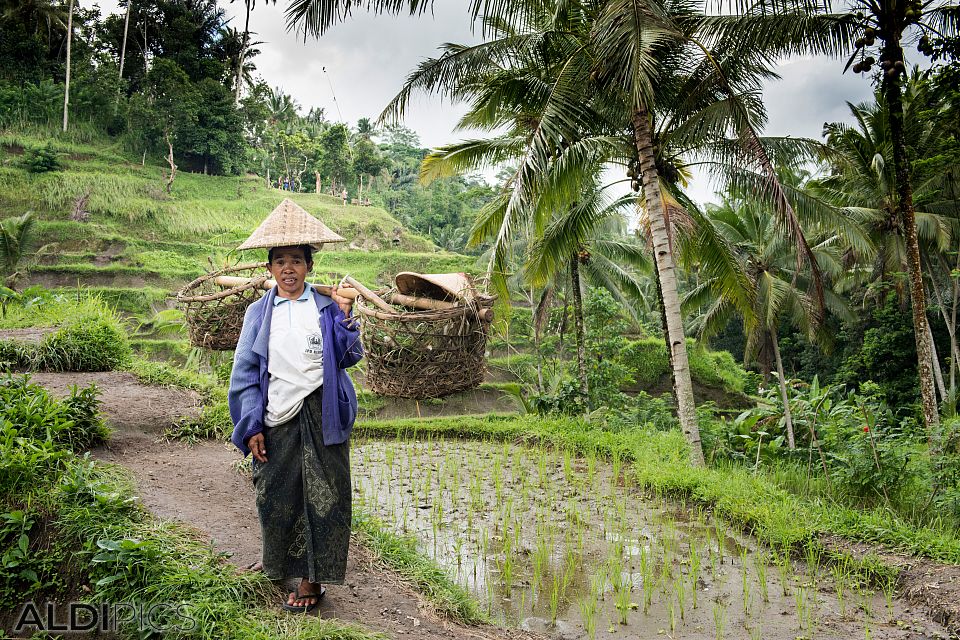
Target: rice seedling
745 583
800 598
646 577
721 531
760 567
589 612
840 589
784 568
556 594
673 616
889 588
814 555
680 590
719 619
694 558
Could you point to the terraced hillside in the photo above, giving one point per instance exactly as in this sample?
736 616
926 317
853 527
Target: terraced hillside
107 222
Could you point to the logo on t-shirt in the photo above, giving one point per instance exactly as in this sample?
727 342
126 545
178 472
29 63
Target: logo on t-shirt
314 347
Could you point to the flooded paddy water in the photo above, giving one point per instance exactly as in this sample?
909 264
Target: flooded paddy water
565 545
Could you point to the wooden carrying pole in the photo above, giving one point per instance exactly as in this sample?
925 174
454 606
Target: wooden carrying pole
356 289
369 295
236 281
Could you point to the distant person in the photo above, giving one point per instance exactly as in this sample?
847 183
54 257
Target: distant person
343 195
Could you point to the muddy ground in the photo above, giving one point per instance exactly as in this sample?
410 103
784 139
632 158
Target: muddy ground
199 486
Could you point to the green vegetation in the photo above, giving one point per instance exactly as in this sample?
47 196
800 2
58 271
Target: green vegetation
67 512
90 336
401 555
658 462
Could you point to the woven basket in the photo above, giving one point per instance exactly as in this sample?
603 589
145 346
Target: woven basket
214 314
424 354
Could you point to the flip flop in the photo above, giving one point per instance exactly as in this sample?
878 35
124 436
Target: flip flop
254 566
307 608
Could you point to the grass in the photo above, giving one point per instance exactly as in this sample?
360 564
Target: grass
400 554
90 337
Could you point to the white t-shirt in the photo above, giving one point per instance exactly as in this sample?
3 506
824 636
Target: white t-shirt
295 362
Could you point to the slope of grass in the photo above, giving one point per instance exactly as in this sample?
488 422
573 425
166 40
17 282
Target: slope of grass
137 237
129 199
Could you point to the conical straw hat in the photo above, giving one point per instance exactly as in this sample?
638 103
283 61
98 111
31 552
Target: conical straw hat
439 286
290 225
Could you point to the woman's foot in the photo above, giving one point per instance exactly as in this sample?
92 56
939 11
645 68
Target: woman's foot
306 597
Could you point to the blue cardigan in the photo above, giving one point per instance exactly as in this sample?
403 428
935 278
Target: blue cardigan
249 380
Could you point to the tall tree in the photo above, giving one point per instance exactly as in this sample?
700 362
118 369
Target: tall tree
868 27
778 293
66 87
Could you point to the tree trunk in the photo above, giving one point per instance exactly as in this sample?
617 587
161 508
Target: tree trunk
787 416
540 318
666 269
66 87
578 320
935 365
146 48
173 167
666 337
123 46
243 50
901 163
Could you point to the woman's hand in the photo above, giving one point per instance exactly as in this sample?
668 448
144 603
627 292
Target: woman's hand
345 303
258 447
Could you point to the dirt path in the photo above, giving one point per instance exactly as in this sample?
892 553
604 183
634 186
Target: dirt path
198 485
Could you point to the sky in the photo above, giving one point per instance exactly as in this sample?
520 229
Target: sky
367 58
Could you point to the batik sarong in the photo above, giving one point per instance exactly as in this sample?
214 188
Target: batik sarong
303 500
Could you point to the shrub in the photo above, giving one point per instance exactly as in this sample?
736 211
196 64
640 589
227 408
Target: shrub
41 159
87 344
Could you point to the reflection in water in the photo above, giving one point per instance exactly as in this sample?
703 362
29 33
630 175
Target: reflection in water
557 543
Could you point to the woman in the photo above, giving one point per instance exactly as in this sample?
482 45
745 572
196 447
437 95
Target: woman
293 407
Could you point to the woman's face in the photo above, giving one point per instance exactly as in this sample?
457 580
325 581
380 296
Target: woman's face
289 268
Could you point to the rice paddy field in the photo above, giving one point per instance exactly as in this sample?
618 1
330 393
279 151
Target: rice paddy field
567 545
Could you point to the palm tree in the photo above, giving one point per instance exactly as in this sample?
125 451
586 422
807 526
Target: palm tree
66 87
778 292
867 27
17 236
239 52
587 69
863 183
589 238
281 107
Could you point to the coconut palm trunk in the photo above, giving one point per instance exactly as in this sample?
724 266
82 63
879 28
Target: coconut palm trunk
66 87
126 29
666 269
901 165
578 321
782 380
